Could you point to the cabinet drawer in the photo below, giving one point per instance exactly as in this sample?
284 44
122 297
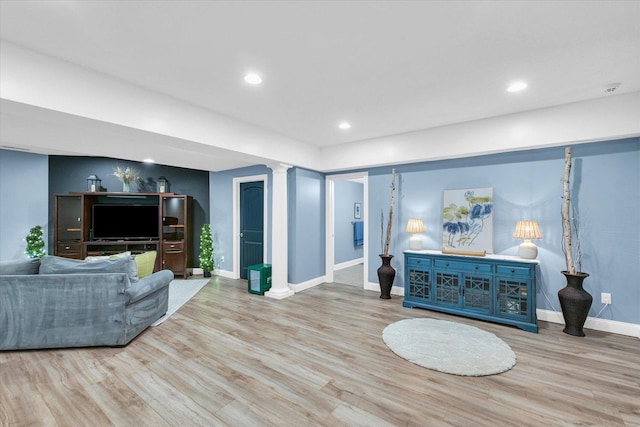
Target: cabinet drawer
68 248
462 266
510 270
173 246
418 262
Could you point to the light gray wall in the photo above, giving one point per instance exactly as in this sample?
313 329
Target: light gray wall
527 185
306 211
24 191
346 193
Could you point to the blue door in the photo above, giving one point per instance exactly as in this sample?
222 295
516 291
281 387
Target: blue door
251 225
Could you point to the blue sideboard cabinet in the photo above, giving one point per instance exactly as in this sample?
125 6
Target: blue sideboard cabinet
497 288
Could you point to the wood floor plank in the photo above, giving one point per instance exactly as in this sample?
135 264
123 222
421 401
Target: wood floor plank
231 358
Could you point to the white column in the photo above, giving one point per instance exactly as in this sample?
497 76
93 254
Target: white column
279 247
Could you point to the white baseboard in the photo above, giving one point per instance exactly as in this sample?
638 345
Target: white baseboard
604 325
225 273
347 264
298 287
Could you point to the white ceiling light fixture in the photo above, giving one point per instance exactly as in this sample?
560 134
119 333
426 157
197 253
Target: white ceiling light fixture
149 161
252 79
517 87
344 125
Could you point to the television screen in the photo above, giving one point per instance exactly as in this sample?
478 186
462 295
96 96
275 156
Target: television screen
125 222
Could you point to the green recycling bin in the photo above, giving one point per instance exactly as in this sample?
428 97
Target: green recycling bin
259 278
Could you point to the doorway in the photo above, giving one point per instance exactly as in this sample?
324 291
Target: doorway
249 223
331 202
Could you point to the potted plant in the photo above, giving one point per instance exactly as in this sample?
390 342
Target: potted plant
386 273
206 250
35 244
127 176
574 300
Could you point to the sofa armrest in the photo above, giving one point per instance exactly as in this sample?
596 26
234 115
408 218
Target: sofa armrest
148 285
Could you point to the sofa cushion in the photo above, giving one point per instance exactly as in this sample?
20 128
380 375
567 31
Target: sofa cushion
50 264
20 266
96 258
146 261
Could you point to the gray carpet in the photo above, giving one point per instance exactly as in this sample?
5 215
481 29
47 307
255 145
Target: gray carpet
450 347
181 291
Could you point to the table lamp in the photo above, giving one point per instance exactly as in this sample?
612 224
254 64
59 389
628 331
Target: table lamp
527 230
415 226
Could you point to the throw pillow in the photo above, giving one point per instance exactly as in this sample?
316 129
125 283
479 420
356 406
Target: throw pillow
20 266
146 261
50 264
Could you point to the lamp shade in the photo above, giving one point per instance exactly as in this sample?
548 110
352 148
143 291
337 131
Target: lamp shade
527 230
415 225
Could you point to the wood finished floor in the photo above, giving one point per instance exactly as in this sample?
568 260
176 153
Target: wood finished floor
317 358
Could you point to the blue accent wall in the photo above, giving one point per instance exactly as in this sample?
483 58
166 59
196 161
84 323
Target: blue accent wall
306 225
69 173
221 185
346 193
527 185
24 184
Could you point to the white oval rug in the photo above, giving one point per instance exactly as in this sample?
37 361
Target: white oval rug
453 348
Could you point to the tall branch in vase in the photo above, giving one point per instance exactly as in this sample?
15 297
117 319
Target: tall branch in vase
390 223
566 209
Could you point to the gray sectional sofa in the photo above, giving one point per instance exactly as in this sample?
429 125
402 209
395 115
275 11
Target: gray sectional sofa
58 302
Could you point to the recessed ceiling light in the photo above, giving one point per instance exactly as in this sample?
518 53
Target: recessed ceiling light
344 125
517 87
149 161
253 79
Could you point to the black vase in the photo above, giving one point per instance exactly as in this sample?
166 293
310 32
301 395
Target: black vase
386 274
206 274
575 303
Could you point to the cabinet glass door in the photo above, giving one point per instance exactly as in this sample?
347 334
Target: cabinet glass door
447 288
477 293
173 218
419 284
513 299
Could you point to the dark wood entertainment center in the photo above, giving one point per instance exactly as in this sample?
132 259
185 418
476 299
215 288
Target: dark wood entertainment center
74 234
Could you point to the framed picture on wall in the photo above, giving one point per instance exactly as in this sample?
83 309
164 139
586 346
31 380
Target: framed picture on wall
357 213
467 221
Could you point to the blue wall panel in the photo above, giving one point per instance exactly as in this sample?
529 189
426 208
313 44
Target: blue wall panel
24 193
306 211
527 185
221 185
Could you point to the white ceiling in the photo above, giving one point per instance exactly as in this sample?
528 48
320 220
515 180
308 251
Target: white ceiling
388 67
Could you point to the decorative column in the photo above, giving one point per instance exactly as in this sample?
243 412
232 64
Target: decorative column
279 244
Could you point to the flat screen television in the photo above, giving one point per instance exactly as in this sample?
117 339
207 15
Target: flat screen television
125 222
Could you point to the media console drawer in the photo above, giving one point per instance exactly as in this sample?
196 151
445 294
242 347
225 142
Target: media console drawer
70 250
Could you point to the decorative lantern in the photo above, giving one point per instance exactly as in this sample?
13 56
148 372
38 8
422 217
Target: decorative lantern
163 185
94 183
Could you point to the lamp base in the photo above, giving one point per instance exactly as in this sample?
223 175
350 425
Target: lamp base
415 243
528 250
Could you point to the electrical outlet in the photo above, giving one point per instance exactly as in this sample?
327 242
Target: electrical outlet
605 298
222 259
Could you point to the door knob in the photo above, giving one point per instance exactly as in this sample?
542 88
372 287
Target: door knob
241 234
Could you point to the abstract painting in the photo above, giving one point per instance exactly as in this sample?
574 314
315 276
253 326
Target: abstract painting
467 221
